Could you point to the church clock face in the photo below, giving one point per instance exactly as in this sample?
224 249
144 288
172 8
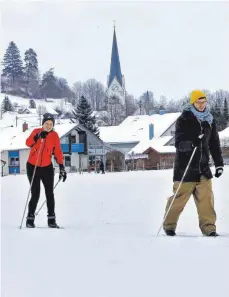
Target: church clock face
114 87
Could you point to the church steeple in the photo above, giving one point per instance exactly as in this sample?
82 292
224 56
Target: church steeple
115 68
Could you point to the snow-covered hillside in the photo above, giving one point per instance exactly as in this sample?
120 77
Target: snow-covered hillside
109 246
49 104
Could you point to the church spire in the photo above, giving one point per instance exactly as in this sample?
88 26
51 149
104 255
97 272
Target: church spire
115 68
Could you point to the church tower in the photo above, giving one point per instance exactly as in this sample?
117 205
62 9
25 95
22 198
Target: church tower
115 82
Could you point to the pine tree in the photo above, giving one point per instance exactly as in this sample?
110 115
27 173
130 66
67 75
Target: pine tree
83 113
216 112
31 64
31 73
7 105
66 92
225 114
49 85
13 68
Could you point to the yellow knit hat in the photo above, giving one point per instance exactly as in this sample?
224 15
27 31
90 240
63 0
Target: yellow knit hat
196 95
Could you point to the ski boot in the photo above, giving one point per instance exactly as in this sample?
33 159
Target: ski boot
30 221
170 232
52 222
213 234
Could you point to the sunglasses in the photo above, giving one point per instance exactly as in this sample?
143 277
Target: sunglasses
201 102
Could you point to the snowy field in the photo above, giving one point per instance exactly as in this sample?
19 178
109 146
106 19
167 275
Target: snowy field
109 246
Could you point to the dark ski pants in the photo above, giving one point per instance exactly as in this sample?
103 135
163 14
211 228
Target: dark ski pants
46 175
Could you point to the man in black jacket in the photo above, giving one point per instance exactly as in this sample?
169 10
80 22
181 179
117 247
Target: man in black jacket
195 121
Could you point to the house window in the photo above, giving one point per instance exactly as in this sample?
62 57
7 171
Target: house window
73 138
14 161
65 140
67 160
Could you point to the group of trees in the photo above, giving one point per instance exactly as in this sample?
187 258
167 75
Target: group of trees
218 103
23 79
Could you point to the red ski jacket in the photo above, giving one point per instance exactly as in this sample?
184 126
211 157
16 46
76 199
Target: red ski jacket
47 147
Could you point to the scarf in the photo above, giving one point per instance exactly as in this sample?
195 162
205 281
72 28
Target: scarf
202 116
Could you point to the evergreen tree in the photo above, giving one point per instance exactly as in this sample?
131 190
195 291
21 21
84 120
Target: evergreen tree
216 112
83 113
7 105
31 73
31 64
66 92
49 85
225 114
12 72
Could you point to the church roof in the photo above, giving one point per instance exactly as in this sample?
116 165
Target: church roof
115 68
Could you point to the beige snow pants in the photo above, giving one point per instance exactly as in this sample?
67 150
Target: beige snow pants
204 200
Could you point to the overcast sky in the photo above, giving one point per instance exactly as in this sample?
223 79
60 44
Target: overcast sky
169 48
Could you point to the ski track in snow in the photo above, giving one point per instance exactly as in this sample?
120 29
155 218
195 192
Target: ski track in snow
109 247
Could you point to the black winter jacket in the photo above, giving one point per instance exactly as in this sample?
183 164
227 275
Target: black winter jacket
188 128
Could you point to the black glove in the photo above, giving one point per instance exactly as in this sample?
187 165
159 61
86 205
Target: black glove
63 173
197 141
218 171
41 134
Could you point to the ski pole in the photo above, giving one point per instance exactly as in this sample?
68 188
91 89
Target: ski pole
45 200
34 171
193 153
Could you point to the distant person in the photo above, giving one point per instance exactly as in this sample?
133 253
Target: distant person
102 167
44 142
195 120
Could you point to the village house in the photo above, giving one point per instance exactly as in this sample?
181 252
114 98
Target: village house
80 148
148 141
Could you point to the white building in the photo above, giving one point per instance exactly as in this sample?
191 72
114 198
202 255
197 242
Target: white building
139 131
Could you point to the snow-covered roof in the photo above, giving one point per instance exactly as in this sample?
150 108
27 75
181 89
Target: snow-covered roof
100 113
136 128
32 110
224 133
224 137
50 110
157 144
106 133
8 133
14 119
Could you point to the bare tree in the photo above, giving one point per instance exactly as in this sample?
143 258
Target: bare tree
95 92
115 110
146 103
41 109
131 105
163 102
78 91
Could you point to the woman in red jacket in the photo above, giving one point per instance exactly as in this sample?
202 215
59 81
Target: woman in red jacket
44 142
